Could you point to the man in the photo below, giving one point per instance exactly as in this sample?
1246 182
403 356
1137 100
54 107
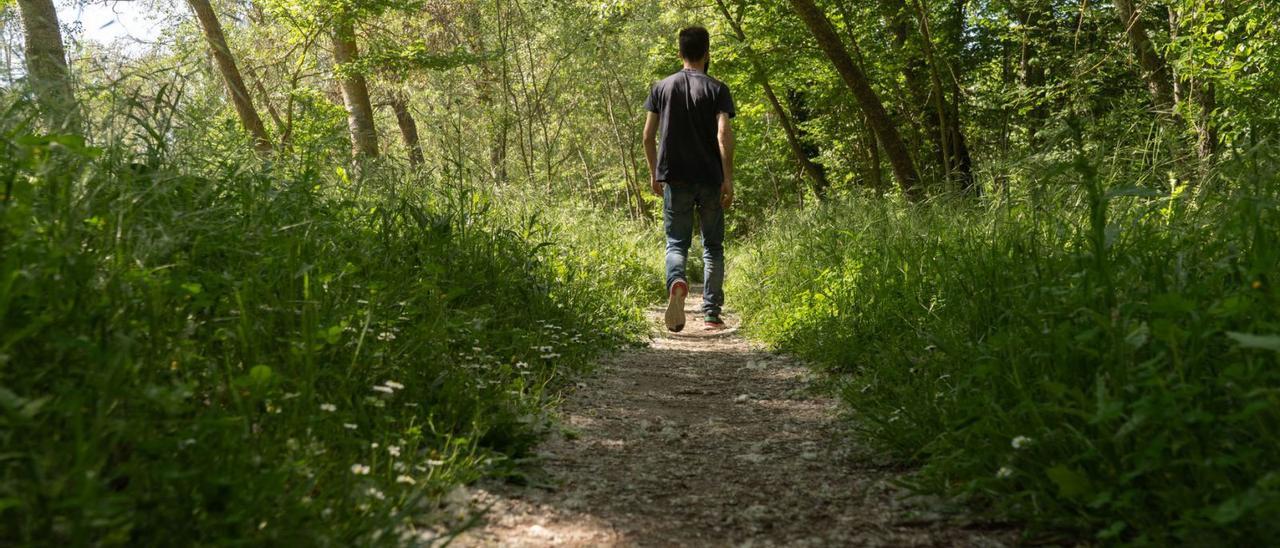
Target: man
691 167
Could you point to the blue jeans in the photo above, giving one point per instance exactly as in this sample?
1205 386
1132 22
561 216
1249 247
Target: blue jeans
680 200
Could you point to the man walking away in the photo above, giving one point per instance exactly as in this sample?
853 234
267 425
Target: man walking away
691 167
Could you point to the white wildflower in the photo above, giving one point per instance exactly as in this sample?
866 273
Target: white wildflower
328 407
1021 442
1004 472
349 426
386 336
384 389
405 479
375 493
373 445
394 450
394 385
360 469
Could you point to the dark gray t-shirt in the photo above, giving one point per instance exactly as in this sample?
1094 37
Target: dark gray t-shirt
687 104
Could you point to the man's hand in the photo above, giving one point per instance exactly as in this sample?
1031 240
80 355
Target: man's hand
726 193
656 185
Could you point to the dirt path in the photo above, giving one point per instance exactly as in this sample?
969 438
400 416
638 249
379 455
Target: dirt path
703 439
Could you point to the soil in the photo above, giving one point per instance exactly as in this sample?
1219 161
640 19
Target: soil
704 439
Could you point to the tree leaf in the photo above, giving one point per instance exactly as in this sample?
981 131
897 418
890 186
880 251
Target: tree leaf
1071 482
1249 340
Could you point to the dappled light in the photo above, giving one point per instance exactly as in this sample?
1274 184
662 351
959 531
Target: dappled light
639 273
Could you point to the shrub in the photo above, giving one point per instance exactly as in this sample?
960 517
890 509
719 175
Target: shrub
1100 360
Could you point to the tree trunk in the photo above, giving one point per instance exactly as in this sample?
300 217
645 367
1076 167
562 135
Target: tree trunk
873 175
355 92
1155 71
231 74
47 70
408 130
1031 67
817 177
903 169
1201 97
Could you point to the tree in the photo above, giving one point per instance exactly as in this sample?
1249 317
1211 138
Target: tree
923 74
408 129
231 74
1155 71
47 71
824 32
355 91
817 178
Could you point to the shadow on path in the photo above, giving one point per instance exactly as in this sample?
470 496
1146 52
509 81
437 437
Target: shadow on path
702 439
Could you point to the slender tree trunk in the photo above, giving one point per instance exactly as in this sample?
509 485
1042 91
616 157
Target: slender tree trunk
1199 98
47 67
355 92
231 74
1032 74
903 168
1155 71
265 97
874 177
817 178
408 130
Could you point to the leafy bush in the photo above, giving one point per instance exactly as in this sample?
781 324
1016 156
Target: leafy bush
200 349
1100 360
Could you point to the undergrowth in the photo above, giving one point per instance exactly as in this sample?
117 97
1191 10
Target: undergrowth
1090 357
197 348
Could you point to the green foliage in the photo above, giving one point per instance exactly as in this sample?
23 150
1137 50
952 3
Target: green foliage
1095 359
197 348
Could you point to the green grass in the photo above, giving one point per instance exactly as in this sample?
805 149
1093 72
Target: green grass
1127 337
199 349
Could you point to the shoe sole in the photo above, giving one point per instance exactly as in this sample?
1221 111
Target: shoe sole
675 306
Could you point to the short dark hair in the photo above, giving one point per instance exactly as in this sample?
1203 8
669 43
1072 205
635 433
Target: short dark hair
694 43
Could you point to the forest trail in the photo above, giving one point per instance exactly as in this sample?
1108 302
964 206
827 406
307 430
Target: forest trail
702 438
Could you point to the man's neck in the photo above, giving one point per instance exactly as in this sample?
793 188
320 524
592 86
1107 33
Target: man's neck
699 66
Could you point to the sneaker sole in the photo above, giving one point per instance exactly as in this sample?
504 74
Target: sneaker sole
675 306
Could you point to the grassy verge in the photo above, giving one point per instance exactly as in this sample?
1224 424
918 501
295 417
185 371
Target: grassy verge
194 350
1093 358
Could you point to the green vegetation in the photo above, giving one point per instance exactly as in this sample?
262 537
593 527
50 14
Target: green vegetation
209 349
299 268
1103 361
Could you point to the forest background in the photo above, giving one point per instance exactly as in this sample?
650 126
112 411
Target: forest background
294 269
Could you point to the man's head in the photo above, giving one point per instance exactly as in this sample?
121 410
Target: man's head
694 43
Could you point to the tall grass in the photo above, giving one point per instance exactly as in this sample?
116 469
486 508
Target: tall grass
199 348
1093 357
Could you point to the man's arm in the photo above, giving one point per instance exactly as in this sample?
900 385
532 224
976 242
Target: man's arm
651 151
725 136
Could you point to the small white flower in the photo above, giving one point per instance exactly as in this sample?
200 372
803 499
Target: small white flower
384 389
349 426
522 365
373 445
405 479
328 407
394 385
375 493
394 450
359 469
386 336
1004 472
434 462
1020 442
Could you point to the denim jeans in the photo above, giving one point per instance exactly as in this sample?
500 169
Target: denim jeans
680 200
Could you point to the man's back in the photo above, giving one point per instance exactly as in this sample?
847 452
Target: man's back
688 104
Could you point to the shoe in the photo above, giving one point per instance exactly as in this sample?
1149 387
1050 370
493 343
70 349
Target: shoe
675 306
714 321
